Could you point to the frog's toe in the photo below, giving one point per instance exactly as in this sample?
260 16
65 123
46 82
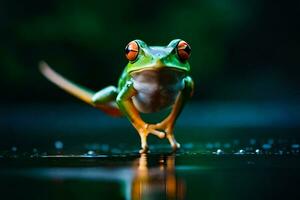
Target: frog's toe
144 149
175 146
158 133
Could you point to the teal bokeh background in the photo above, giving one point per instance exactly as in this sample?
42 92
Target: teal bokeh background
240 50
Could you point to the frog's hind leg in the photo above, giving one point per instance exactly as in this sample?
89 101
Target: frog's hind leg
124 100
168 124
104 99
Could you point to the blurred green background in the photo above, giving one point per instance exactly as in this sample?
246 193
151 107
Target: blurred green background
241 50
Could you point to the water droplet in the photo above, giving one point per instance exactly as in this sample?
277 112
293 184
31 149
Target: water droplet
258 151
219 152
91 153
58 145
241 151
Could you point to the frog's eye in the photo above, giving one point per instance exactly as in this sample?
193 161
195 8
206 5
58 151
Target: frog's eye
132 50
183 50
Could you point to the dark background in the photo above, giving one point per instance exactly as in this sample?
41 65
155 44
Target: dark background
241 50
239 134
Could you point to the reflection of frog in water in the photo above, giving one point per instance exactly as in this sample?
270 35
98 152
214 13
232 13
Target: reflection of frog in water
155 78
157 182
146 177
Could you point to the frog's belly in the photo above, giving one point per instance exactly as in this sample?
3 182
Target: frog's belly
156 90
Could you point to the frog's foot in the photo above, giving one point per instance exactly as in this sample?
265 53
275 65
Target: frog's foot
143 135
168 127
144 130
174 144
144 150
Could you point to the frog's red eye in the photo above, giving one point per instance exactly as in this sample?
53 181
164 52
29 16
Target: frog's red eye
132 50
183 50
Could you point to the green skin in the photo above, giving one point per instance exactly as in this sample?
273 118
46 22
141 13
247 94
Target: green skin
111 98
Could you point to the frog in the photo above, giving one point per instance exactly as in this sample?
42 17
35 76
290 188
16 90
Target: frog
155 78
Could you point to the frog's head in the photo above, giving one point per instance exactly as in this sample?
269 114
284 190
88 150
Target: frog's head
142 57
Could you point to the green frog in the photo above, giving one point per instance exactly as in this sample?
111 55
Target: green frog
155 78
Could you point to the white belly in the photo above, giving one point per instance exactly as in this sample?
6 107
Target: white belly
156 89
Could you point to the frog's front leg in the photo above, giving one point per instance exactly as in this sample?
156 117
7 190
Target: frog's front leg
105 99
124 101
106 95
168 123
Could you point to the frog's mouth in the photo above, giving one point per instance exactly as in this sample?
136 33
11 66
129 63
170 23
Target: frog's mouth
159 75
157 69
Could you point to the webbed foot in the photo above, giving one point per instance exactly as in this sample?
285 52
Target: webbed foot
168 127
144 130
